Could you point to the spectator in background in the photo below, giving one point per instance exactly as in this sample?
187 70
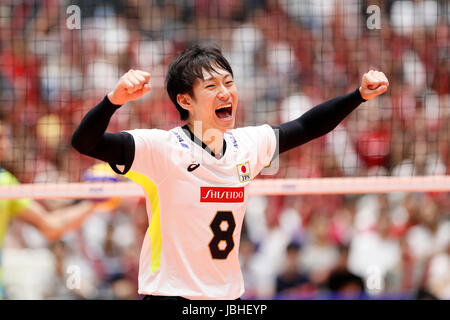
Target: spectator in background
319 255
374 247
58 288
341 282
430 234
246 260
408 16
291 277
438 280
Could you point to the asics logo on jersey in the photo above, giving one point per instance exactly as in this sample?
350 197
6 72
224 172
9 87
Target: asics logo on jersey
222 194
193 166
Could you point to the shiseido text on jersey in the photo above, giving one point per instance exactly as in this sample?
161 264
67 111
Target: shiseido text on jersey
222 194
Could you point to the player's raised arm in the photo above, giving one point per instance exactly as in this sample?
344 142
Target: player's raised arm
90 137
324 117
55 224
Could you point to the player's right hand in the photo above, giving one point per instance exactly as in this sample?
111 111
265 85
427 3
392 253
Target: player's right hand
373 84
131 86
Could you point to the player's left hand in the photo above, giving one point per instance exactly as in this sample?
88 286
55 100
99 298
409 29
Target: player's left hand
373 84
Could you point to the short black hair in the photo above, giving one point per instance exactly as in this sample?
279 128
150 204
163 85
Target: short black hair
189 66
293 246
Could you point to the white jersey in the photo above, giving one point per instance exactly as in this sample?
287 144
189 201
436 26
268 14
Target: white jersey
195 205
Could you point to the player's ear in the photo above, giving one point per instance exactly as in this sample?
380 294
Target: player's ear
185 101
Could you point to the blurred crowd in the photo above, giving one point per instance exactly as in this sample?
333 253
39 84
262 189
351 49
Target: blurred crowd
287 56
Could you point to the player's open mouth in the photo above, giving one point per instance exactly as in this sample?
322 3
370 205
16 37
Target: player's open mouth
225 112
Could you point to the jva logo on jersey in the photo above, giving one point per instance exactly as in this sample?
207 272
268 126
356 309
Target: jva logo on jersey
244 172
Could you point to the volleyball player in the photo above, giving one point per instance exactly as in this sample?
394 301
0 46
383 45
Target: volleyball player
53 225
196 177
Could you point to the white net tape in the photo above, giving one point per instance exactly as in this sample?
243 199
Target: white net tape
359 185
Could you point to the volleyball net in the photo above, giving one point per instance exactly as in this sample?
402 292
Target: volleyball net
260 187
59 59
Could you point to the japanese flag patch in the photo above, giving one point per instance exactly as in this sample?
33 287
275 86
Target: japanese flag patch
244 172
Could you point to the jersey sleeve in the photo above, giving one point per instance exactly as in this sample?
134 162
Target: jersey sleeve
17 206
263 141
151 152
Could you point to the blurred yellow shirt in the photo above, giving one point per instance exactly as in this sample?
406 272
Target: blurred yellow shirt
9 208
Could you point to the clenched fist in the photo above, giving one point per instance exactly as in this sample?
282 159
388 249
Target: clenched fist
131 86
373 84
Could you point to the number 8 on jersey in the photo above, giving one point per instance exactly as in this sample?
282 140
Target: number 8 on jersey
222 234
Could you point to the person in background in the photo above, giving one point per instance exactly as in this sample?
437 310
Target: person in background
54 224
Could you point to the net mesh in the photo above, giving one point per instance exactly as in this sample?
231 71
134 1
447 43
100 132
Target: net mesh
59 58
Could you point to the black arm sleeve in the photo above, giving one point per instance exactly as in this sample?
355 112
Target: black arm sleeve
317 121
90 138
